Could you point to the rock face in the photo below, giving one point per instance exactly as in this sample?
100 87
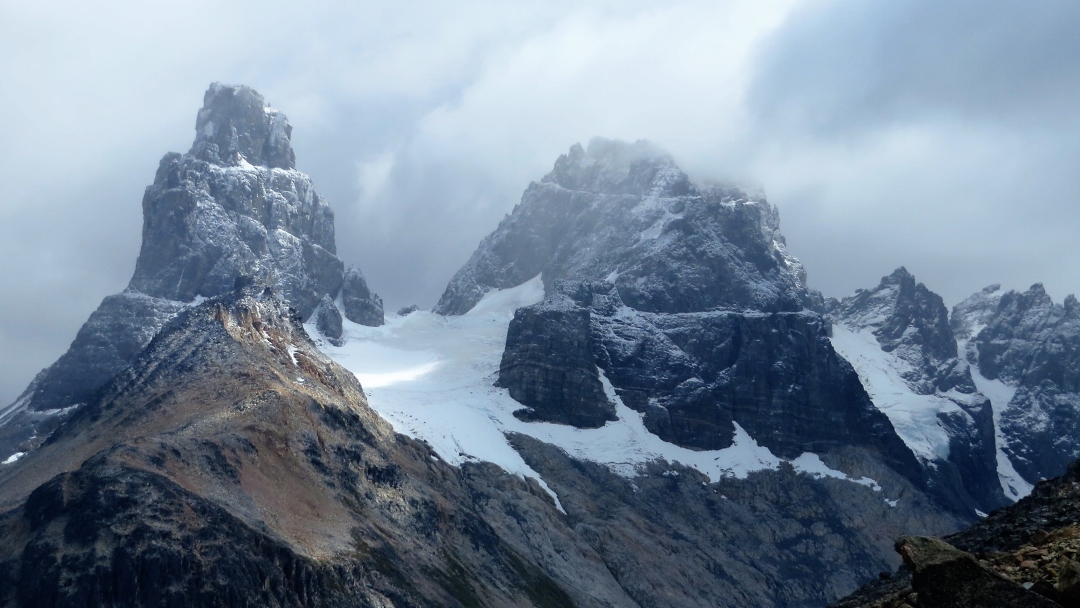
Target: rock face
626 213
233 206
328 320
1031 346
361 305
1022 555
899 338
566 388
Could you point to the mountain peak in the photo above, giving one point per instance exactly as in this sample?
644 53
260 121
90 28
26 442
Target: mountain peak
235 125
613 166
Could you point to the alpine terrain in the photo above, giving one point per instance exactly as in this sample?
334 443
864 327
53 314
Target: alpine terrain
627 396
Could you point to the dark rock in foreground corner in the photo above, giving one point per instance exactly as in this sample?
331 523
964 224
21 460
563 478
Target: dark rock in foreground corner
1010 558
945 577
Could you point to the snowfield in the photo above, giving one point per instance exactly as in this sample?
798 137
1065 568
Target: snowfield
432 378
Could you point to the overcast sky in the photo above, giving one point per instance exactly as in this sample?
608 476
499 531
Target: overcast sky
943 136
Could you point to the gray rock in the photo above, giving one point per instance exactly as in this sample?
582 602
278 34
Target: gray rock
232 207
626 213
1031 344
328 320
407 310
361 305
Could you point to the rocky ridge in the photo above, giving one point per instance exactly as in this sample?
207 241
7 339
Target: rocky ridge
233 206
1030 347
898 336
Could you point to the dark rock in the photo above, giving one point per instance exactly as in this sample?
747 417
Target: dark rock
328 320
626 213
361 305
407 310
694 376
945 577
565 389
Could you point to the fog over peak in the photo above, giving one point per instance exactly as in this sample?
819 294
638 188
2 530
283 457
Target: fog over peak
939 137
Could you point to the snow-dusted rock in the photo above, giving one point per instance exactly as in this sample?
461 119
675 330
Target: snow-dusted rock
1028 346
898 337
625 213
361 305
234 206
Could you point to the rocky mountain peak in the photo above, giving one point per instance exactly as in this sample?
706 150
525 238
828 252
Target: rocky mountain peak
232 207
235 125
626 214
905 315
612 166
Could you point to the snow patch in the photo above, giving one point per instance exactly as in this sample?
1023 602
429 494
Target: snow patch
14 457
914 416
1000 394
432 378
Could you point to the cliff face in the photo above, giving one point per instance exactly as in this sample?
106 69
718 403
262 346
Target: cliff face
1028 347
627 214
234 206
898 337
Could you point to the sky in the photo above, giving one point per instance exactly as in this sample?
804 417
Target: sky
944 137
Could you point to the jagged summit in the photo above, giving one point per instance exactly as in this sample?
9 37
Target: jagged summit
232 207
235 125
612 166
625 213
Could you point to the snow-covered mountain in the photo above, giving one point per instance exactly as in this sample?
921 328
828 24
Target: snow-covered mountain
233 207
627 396
898 337
1025 355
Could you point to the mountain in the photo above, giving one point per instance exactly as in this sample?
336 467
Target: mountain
1025 350
233 464
234 205
628 396
899 338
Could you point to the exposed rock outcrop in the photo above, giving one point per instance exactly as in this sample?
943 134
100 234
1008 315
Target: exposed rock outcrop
1032 346
233 206
328 320
361 305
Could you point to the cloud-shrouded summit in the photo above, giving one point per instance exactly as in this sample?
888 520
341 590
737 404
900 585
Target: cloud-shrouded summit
232 209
